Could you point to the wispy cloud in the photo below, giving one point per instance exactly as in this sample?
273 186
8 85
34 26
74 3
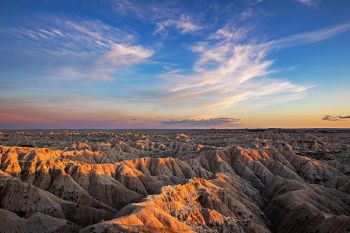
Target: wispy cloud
126 7
119 55
148 11
226 73
163 15
62 37
104 66
184 24
231 69
310 3
310 37
335 118
97 49
203 123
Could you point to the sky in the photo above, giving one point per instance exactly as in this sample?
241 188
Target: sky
174 64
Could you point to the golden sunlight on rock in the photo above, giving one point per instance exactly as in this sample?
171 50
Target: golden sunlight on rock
240 181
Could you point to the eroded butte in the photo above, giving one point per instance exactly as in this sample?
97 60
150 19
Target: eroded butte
274 180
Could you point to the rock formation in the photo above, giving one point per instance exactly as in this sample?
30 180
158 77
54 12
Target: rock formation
193 181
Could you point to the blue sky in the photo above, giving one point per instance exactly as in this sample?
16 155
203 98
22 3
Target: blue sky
175 64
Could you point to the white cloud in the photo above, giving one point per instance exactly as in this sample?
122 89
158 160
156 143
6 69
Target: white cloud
229 34
184 24
120 55
126 54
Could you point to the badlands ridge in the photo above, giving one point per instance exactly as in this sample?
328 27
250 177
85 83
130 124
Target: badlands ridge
274 180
